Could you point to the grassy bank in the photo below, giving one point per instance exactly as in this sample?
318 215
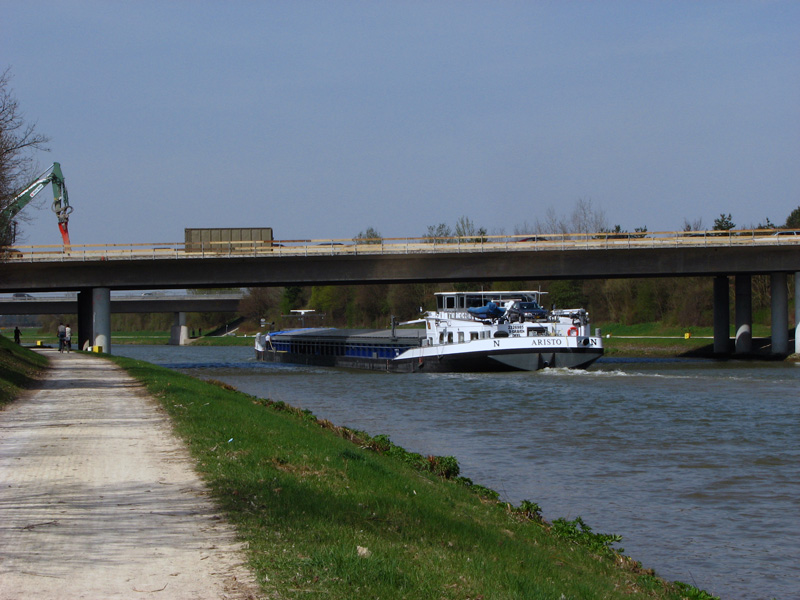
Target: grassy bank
655 340
31 335
651 346
19 368
332 513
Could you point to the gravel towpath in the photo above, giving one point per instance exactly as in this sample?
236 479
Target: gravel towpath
98 498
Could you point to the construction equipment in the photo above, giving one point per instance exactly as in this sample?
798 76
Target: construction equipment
60 205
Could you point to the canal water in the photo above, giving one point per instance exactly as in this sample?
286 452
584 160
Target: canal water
695 463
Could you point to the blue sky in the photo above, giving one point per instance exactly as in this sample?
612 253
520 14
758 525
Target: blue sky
321 119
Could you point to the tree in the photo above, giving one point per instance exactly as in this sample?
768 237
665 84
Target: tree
793 220
616 233
566 294
293 297
436 233
584 218
260 303
465 228
18 140
370 236
768 225
724 223
696 225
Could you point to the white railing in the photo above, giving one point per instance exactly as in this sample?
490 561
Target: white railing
420 245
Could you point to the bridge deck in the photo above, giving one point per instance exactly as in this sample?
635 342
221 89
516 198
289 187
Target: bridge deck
425 245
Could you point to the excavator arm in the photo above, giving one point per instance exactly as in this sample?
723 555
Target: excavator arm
60 206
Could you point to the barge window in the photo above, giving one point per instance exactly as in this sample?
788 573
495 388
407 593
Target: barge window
460 337
449 337
473 335
474 302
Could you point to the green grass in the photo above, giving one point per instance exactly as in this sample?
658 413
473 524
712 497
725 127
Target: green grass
659 330
31 335
306 495
140 337
661 341
19 368
333 513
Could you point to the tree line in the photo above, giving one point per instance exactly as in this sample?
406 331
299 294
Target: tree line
678 301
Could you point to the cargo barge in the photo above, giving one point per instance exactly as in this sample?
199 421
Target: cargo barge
468 332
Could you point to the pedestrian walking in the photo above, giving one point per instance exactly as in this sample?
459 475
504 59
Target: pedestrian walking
68 338
62 334
259 346
17 335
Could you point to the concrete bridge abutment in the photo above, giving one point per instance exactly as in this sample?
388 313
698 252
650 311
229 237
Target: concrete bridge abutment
780 314
743 343
797 313
94 319
101 319
179 333
743 300
722 315
85 313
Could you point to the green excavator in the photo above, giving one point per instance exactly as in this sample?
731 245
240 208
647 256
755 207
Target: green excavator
60 205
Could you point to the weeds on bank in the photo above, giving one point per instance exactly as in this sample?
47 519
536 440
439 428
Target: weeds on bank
336 513
18 369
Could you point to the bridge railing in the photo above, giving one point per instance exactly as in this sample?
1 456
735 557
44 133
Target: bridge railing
418 245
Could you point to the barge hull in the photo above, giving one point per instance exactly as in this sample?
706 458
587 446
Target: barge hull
470 362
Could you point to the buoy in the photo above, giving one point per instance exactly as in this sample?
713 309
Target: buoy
572 331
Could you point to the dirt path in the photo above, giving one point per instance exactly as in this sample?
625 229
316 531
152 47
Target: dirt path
98 499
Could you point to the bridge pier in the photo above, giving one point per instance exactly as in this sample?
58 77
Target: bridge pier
744 314
780 314
179 333
797 312
722 315
94 318
85 313
101 318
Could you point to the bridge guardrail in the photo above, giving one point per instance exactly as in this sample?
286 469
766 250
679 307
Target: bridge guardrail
419 245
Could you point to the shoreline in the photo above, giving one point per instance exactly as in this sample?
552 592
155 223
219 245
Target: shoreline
642 345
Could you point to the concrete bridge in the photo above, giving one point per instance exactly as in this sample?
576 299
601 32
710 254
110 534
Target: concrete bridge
150 302
95 270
